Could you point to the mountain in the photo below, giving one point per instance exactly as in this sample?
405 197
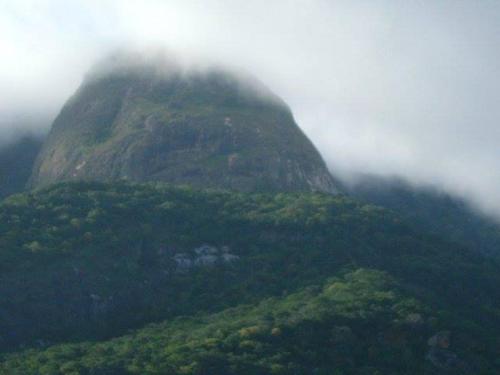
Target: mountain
236 283
430 210
180 223
150 120
16 163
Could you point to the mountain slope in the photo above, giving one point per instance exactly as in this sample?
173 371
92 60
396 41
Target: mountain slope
328 328
432 211
90 261
16 163
153 121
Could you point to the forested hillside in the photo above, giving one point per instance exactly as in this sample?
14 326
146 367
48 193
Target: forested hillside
359 323
90 261
431 210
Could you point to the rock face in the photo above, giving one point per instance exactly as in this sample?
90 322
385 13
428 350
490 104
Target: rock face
203 256
156 122
444 359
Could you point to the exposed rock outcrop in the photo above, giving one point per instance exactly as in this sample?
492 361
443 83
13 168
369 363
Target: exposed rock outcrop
442 357
153 121
203 256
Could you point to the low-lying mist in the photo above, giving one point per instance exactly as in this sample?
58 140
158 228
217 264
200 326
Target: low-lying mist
389 88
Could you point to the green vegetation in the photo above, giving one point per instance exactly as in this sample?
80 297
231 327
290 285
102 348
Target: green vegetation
89 261
322 329
432 211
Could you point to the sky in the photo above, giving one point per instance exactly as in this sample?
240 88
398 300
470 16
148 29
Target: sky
407 88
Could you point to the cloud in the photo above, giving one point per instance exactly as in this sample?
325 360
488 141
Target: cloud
388 87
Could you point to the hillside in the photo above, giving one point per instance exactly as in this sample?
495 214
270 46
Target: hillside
154 121
432 211
16 163
360 322
89 261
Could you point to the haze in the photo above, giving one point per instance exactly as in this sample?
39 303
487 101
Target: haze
386 87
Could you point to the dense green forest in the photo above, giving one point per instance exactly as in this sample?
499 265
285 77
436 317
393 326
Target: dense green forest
431 210
236 283
356 324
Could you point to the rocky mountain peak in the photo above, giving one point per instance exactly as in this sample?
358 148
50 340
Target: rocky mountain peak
146 119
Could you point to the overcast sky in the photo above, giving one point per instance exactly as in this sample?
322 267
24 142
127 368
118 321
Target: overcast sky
391 87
